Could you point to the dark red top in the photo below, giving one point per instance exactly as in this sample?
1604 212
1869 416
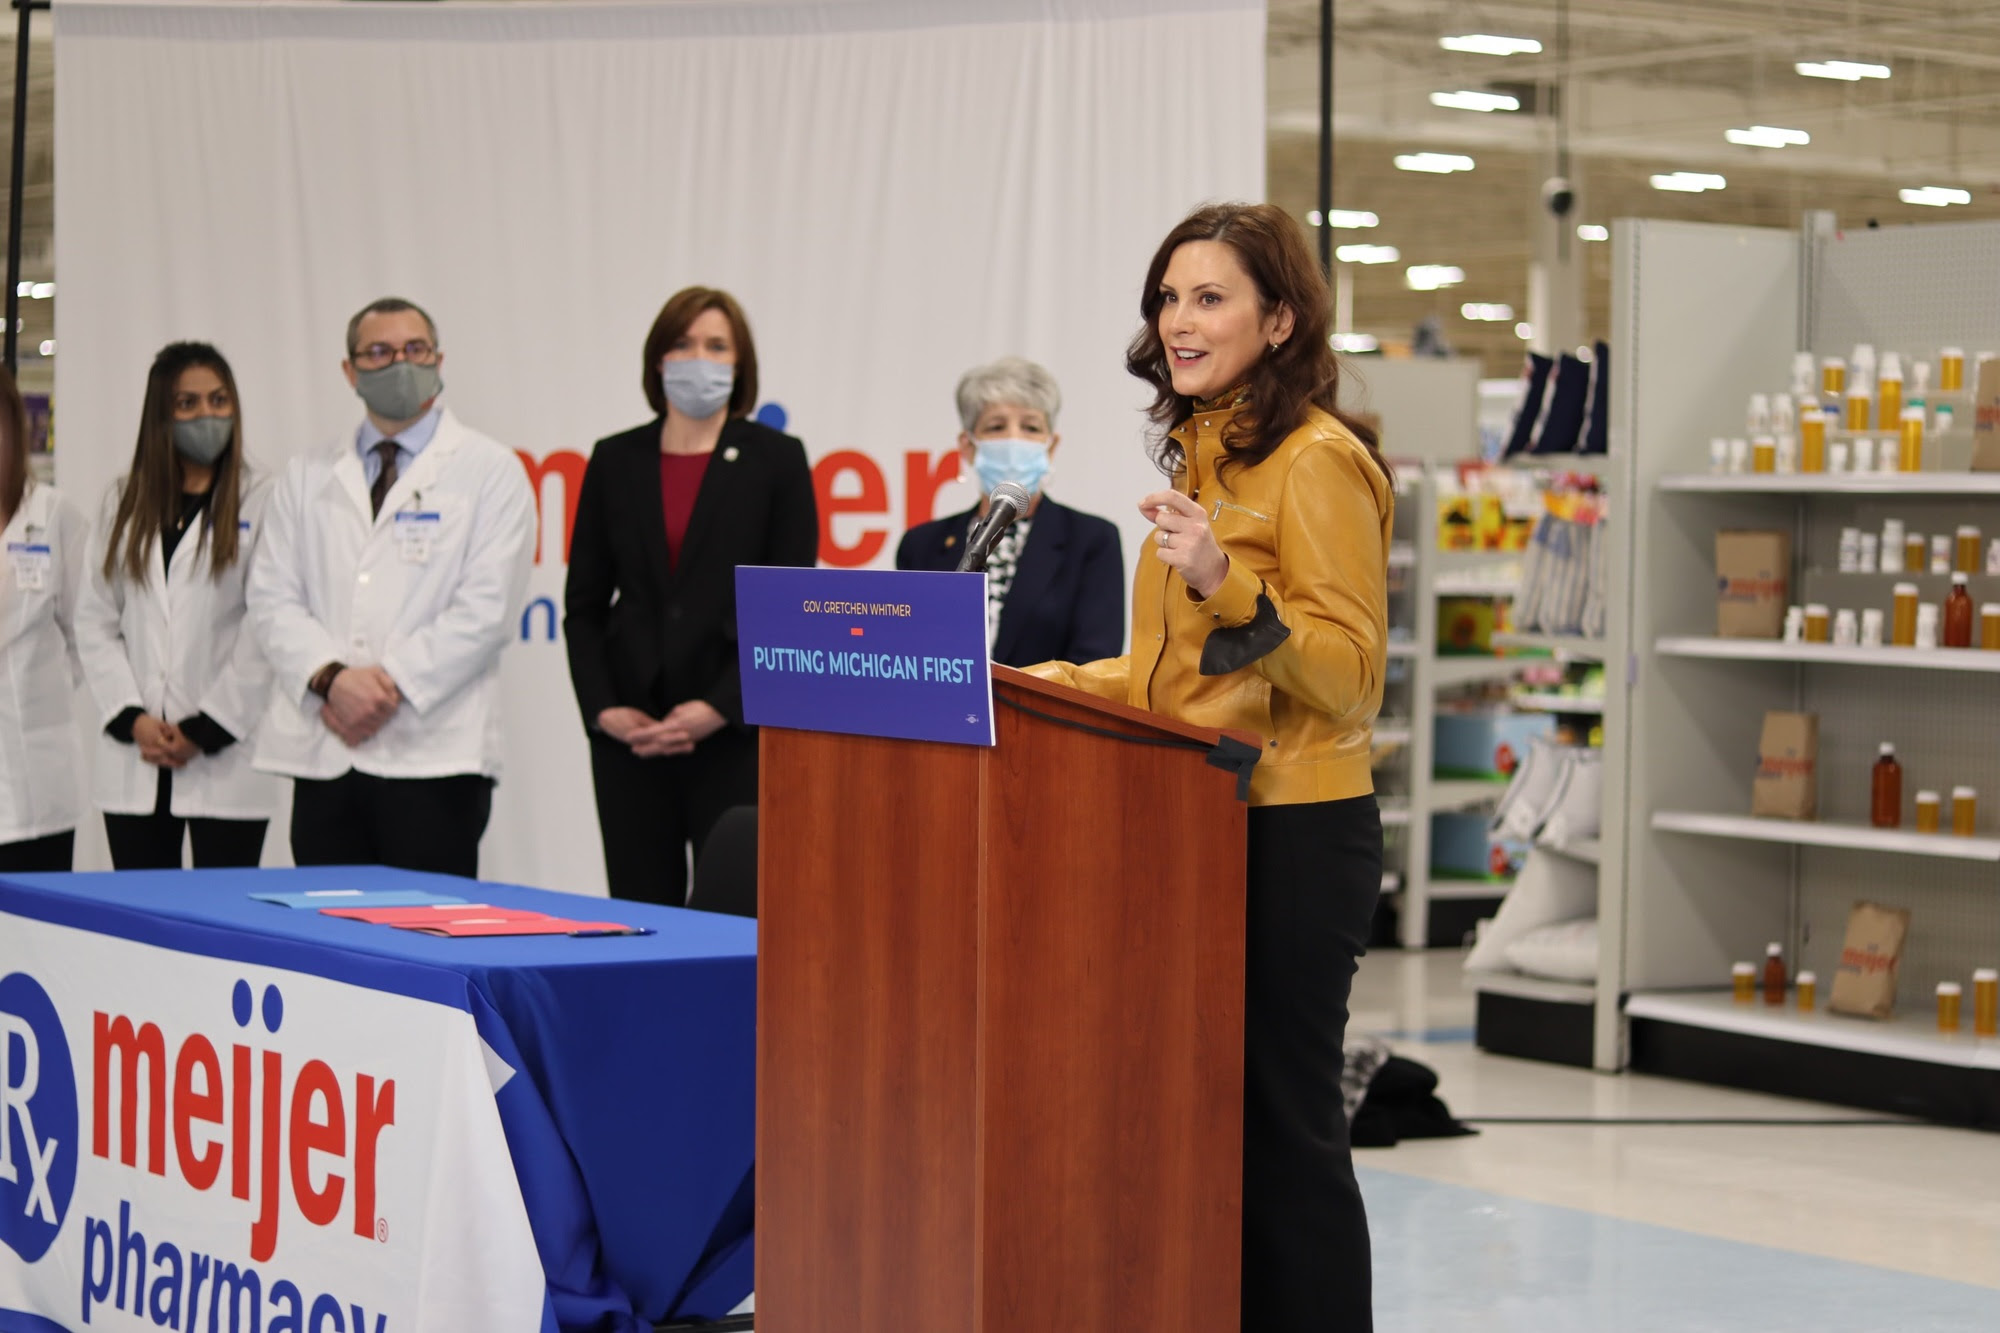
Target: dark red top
680 482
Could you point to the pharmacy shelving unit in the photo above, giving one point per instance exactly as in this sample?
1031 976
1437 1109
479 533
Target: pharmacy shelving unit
1435 911
1393 731
1705 316
1533 1017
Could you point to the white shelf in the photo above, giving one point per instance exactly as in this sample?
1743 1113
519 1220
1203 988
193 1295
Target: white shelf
1774 650
1396 733
1395 816
1855 837
1447 672
1453 890
1476 585
1458 793
1402 647
1912 1036
1531 988
1402 555
1588 850
1453 562
1573 646
1563 703
1391 883
1836 483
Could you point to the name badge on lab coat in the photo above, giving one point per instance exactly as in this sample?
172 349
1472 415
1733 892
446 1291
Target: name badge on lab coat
32 562
416 530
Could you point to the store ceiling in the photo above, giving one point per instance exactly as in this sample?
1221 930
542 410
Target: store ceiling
1654 83
1653 86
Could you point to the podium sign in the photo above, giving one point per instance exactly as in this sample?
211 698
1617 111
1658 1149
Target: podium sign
897 653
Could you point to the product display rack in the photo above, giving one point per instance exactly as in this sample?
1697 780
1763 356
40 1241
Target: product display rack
1578 1023
1435 910
1706 316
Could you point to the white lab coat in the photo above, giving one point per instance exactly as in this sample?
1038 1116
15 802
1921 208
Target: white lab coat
177 645
46 547
331 584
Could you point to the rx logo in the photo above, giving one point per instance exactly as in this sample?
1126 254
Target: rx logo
38 1119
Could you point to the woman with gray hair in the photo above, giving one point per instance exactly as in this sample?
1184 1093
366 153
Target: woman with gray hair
1056 579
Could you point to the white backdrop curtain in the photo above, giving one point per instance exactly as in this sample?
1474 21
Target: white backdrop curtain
896 189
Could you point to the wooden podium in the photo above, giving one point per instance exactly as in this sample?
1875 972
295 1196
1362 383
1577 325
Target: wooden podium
1000 1027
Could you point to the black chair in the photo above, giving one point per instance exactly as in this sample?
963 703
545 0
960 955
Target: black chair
725 875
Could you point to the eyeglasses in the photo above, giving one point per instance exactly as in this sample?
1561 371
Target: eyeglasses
377 355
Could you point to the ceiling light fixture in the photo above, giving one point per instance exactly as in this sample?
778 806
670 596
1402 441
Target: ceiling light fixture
1367 254
1591 231
1935 196
1689 182
1355 342
48 347
1849 71
1350 218
1437 164
1524 331
1468 100
1486 44
1768 136
1485 313
1430 277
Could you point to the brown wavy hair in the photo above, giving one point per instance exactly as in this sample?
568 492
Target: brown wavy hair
13 447
681 310
151 496
1303 372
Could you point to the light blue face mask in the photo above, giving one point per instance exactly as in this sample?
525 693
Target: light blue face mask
1023 462
696 387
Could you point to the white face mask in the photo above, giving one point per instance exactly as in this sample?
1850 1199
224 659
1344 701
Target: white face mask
1023 462
697 387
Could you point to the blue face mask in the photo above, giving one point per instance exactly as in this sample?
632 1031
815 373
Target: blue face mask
697 387
1023 462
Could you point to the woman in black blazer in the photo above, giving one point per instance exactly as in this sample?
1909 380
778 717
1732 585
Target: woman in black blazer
667 512
1056 578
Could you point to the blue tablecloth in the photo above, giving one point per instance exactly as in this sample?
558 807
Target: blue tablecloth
632 1136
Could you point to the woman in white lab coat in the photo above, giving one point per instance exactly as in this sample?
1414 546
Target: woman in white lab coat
45 540
178 681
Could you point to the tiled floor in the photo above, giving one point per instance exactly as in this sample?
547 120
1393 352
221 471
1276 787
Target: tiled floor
1659 1228
1665 1229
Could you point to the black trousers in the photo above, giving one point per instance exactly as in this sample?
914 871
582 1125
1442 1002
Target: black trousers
55 852
431 824
1315 872
649 811
153 842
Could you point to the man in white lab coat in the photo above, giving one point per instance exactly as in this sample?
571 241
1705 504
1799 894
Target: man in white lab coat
391 576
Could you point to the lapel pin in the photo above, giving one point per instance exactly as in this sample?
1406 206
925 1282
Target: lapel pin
950 542
729 454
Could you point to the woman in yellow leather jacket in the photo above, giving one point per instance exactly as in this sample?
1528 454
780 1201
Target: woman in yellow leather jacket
1266 611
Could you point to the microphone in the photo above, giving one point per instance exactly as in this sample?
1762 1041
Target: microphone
1007 502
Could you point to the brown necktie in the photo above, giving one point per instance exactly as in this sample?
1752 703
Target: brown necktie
385 480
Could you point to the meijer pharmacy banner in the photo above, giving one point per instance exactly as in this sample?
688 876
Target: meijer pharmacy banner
248 1149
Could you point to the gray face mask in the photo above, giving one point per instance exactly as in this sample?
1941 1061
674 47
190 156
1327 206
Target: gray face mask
699 388
204 439
399 390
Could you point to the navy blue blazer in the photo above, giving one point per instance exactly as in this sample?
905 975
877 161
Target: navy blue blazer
1068 599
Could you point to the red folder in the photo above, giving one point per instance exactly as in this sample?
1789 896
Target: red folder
473 919
539 925
430 914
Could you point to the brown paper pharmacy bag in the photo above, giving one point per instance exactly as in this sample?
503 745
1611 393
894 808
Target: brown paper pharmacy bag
1865 982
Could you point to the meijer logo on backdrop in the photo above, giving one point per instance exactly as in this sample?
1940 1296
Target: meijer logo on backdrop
38 1121
847 483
